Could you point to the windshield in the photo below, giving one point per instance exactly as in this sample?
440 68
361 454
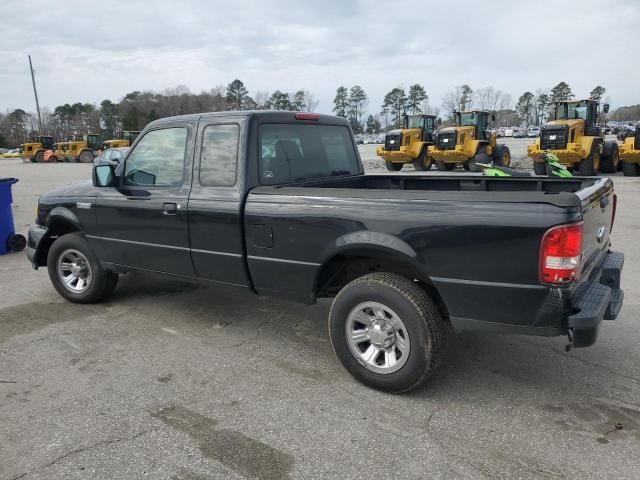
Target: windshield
296 152
467 119
415 122
571 111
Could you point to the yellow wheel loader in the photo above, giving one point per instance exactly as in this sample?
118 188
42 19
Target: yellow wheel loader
469 142
59 152
83 148
409 144
126 140
34 151
630 154
575 138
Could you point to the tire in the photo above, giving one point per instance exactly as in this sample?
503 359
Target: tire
481 157
99 283
444 166
38 157
422 163
85 157
466 165
539 168
588 167
629 169
53 159
16 243
502 156
418 334
393 167
610 158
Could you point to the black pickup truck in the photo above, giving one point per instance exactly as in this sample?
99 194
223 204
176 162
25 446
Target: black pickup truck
278 203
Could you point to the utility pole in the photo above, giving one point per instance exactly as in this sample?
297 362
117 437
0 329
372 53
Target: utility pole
35 93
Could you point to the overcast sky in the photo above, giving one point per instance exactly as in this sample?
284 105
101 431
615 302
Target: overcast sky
88 51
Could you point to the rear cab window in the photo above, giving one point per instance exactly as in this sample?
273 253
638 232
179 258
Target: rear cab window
290 153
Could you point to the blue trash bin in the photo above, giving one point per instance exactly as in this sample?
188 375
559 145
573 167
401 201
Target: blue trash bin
8 239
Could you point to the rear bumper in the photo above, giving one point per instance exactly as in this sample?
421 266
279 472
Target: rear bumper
449 156
597 300
568 156
403 155
628 154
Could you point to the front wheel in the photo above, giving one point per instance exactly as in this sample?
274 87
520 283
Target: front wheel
393 167
445 166
86 157
422 162
502 156
38 157
629 169
588 167
76 273
387 332
610 158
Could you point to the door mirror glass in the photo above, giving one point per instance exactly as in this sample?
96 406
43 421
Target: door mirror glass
104 176
605 108
493 117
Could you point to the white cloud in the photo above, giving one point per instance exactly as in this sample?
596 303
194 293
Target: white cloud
109 50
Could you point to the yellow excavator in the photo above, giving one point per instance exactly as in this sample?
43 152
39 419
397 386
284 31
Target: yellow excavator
576 139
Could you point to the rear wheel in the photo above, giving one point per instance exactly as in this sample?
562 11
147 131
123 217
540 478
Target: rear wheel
444 166
480 157
38 157
423 162
502 156
86 157
630 169
76 273
387 332
610 158
539 168
393 167
589 166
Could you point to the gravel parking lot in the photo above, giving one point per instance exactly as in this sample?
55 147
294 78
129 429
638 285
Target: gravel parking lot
175 380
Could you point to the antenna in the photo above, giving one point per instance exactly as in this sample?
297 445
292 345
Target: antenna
35 93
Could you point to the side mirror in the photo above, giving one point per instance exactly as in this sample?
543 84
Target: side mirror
438 121
493 117
104 175
605 108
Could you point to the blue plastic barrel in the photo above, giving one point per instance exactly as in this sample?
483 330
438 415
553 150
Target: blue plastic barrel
7 230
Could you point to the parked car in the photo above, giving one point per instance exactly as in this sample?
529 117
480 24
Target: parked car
519 133
307 223
508 132
533 132
111 155
14 153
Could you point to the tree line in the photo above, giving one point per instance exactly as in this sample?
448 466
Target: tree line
136 109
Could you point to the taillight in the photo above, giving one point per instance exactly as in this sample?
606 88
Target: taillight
307 116
613 214
560 253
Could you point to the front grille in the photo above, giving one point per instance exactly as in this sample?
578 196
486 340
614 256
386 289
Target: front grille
392 142
637 140
553 138
446 140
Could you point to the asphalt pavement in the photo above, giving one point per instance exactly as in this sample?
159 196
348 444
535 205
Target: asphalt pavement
175 380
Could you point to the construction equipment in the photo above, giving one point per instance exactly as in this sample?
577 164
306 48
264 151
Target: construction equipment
576 139
469 142
126 140
409 144
83 148
59 152
34 151
630 154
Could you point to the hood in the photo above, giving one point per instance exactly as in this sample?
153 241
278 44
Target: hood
570 123
81 188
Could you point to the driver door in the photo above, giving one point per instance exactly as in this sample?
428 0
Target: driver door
142 223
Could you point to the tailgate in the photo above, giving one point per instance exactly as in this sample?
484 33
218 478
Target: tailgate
597 214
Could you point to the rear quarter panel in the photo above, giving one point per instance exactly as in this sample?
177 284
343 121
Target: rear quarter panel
481 256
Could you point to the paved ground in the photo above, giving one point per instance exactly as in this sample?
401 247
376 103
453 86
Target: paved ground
172 380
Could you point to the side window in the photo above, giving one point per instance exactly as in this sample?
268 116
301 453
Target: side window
158 159
219 158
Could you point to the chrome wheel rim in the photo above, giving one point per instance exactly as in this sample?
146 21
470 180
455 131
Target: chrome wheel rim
377 337
74 271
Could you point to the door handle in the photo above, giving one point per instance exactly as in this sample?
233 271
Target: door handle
169 208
